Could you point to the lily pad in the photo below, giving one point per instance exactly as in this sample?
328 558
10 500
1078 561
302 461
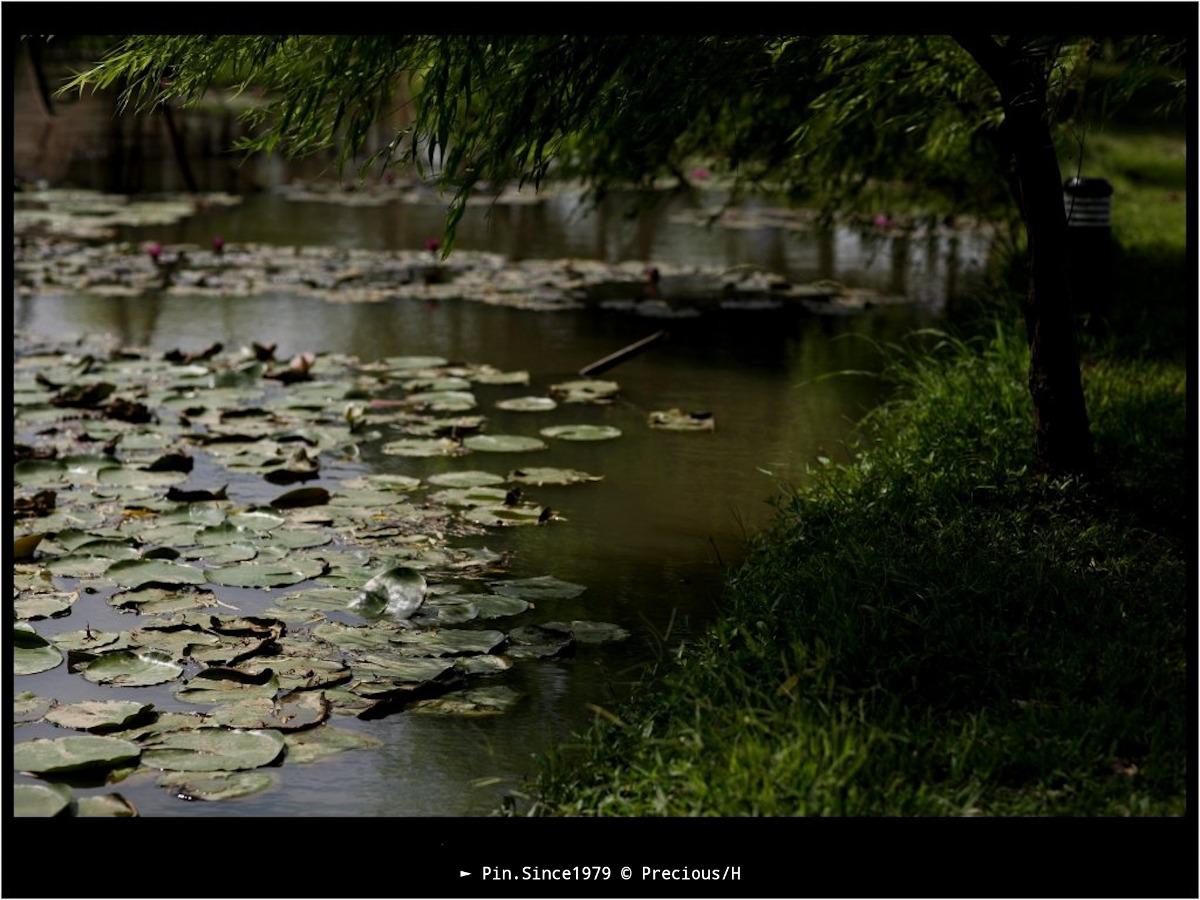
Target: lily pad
320 599
32 653
324 741
43 606
216 785
678 420
299 672
396 593
586 391
589 632
218 684
25 544
534 642
544 587
104 806
493 700
502 516
267 575
581 432
539 475
40 800
503 443
422 447
132 668
134 573
469 479
309 496
29 707
527 404
98 715
290 712
73 754
155 601
213 750
87 639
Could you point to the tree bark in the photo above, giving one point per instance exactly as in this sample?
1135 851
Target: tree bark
1063 438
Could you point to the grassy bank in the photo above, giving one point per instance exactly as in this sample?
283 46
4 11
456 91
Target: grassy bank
934 630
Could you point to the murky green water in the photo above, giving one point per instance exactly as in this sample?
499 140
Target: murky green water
646 541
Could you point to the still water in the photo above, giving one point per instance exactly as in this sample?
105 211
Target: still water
649 541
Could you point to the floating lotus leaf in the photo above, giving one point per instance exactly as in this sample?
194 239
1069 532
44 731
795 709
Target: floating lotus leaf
447 614
168 535
256 520
447 642
503 443
347 703
444 401
79 566
98 715
348 637
134 573
104 806
678 420
390 482
533 642
318 599
324 741
73 754
586 391
213 750
403 669
87 639
544 587
527 404
289 712
422 447
29 707
300 538
25 544
363 499
494 606
482 665
132 668
32 578
223 534
32 653
223 554
468 497
412 362
40 800
39 472
588 632
197 514
163 723
396 593
218 684
216 785
581 432
267 575
309 496
299 672
155 601
228 650
483 701
109 549
470 479
437 384
121 476
501 516
488 375
538 475
43 606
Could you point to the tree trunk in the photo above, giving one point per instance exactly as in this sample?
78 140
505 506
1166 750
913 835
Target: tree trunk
1063 438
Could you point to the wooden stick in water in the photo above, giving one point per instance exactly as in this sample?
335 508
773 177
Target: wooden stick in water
615 359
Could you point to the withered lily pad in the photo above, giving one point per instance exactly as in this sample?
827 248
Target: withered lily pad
132 668
299 672
325 741
586 391
73 754
213 750
216 785
98 715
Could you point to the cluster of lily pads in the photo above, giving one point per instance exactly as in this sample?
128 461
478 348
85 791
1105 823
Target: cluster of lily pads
91 215
339 275
172 488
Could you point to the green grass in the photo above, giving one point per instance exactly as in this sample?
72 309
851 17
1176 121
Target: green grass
933 630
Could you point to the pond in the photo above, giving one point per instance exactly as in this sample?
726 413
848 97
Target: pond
649 542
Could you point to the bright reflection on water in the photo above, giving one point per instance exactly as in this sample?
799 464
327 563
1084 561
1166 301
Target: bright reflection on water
646 541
